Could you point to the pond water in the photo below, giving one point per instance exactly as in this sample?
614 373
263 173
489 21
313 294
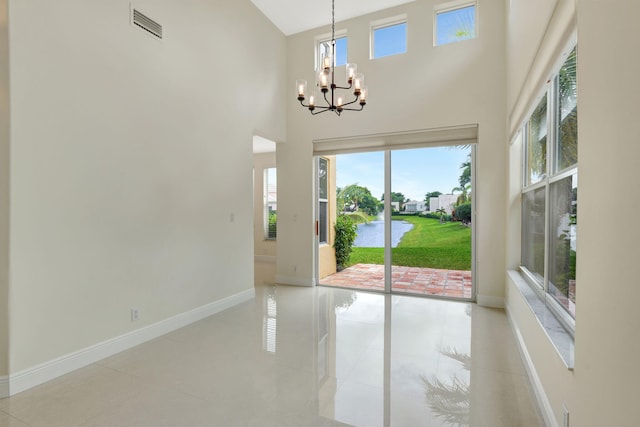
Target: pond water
371 235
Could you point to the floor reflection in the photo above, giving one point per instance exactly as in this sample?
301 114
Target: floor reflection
388 360
450 400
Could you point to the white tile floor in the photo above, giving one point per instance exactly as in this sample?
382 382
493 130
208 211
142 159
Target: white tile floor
303 357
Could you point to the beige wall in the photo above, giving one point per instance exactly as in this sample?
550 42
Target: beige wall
427 87
602 388
131 164
608 320
4 192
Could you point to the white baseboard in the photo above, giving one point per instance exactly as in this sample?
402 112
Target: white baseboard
538 390
295 281
4 387
490 301
47 371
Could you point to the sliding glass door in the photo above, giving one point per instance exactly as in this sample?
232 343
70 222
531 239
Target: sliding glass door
402 221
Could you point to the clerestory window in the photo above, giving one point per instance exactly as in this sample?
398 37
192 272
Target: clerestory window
455 22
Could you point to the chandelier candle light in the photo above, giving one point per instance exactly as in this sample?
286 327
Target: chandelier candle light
326 82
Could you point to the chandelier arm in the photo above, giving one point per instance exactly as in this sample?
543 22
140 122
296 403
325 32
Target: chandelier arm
352 102
330 104
322 110
313 112
355 109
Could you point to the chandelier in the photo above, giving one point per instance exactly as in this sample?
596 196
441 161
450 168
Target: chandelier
334 98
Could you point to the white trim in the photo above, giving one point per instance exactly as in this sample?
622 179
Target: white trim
453 5
295 281
538 390
435 137
4 387
265 258
62 365
388 22
490 301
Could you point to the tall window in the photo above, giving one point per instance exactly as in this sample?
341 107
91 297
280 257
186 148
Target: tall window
389 37
323 199
324 49
271 202
455 22
549 194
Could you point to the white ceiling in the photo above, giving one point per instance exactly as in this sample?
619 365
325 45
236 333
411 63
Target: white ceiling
295 16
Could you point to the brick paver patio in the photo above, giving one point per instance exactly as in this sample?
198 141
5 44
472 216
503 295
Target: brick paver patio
414 280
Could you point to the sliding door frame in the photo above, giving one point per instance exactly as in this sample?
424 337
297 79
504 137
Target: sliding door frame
387 143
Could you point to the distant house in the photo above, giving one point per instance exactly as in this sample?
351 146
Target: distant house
446 201
395 206
415 206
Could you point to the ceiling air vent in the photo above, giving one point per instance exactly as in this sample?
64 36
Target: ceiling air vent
147 24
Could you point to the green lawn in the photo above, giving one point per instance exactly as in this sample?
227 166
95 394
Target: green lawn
428 244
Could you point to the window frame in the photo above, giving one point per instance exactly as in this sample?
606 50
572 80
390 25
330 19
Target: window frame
553 175
387 23
323 227
324 38
450 7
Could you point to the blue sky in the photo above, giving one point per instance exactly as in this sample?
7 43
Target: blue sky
456 25
413 172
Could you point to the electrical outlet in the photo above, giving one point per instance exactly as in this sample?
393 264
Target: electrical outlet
135 314
565 416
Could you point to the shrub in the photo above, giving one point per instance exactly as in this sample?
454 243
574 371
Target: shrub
273 225
443 218
345 236
463 212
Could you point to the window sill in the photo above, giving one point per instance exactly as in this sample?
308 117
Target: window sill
557 334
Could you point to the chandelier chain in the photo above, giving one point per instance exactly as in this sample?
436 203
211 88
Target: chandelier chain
333 21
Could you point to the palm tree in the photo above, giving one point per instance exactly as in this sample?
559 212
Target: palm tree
442 212
352 194
451 402
465 182
464 197
568 132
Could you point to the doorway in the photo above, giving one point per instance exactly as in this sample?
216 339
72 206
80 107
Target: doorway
412 211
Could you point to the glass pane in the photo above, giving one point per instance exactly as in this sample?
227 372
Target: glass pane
323 222
355 261
533 220
431 242
562 245
390 40
456 25
537 143
567 145
271 187
322 176
341 51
